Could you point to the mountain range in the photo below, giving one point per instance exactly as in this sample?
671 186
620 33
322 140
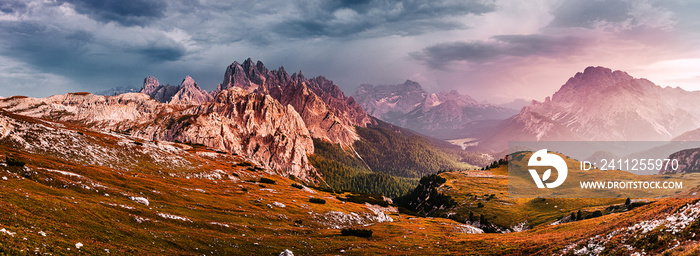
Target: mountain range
270 162
268 116
445 115
600 104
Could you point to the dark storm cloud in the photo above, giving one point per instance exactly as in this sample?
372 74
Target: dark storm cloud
377 18
77 53
124 12
160 53
617 15
439 55
587 13
12 6
48 48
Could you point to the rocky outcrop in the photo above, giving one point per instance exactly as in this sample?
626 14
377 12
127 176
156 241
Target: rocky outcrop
188 92
150 85
162 93
266 115
688 162
99 112
326 111
248 124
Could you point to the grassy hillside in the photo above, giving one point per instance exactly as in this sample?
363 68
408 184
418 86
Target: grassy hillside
342 171
67 190
76 191
391 160
50 212
469 196
401 152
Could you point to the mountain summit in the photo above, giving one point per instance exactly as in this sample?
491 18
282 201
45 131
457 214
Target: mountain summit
601 104
188 92
442 115
268 116
327 112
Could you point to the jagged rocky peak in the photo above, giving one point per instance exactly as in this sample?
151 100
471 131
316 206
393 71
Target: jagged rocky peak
189 81
582 108
234 76
188 92
150 85
299 77
326 111
248 76
594 78
601 74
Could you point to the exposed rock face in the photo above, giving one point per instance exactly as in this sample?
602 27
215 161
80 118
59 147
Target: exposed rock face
248 124
267 116
327 112
150 85
188 92
99 112
252 125
600 104
442 115
688 161
162 93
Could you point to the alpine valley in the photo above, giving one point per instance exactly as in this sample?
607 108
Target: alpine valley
271 162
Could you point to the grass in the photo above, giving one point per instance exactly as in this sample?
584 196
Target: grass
228 216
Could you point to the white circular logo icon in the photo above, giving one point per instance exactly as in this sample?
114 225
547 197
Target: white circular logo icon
542 158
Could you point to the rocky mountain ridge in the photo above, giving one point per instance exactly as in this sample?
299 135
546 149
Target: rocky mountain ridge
601 104
251 125
443 114
266 115
188 92
326 111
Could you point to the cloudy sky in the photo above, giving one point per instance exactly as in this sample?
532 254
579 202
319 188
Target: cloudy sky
491 50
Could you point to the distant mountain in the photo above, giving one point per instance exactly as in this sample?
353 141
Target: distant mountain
390 101
188 92
600 104
516 104
693 135
269 117
117 90
444 115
